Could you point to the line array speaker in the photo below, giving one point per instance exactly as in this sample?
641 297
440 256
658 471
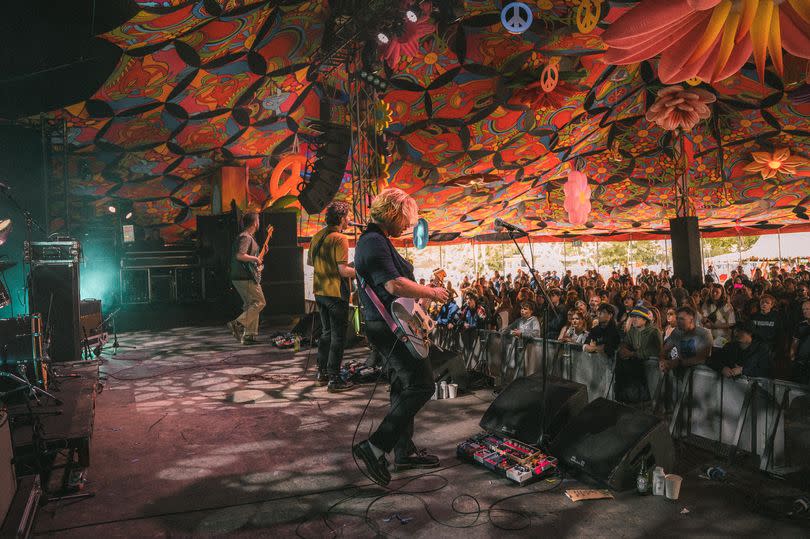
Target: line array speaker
330 165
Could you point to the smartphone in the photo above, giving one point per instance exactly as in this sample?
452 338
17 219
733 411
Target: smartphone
738 285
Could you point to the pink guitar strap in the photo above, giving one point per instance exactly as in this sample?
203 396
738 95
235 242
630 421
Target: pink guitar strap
395 329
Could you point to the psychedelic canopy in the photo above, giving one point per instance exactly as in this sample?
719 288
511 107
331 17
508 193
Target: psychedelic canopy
484 123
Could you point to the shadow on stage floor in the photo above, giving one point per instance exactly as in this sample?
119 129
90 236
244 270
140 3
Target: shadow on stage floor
198 435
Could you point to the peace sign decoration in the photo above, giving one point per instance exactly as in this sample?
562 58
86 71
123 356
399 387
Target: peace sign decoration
549 77
587 16
516 17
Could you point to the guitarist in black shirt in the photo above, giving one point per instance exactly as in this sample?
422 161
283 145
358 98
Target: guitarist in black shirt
388 276
246 276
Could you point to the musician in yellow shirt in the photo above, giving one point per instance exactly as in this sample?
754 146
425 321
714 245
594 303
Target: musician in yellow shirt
329 256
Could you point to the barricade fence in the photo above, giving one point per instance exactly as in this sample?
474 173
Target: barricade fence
766 420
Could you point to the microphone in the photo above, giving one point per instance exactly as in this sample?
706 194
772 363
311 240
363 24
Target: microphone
358 225
4 187
508 226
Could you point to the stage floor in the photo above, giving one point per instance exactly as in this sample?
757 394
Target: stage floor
198 435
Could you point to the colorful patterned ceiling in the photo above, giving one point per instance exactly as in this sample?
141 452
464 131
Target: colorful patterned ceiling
203 84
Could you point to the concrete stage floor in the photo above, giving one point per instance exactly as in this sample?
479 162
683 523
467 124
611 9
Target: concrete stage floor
198 435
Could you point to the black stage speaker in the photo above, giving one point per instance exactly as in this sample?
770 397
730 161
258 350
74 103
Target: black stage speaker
55 295
608 440
283 276
518 410
448 366
686 257
330 165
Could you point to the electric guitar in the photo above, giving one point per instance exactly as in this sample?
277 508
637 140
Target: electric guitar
256 268
415 326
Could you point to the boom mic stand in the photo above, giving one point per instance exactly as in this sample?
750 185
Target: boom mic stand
547 306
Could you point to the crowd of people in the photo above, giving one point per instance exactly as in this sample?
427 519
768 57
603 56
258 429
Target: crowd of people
752 323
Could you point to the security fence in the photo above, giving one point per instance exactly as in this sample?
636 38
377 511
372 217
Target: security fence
762 420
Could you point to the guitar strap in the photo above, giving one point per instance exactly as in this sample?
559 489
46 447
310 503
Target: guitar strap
395 329
317 248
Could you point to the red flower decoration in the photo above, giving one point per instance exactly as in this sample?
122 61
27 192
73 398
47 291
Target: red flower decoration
677 108
408 43
534 97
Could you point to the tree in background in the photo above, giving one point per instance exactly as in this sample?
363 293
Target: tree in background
722 246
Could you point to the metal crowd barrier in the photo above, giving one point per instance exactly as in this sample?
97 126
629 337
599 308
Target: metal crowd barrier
766 420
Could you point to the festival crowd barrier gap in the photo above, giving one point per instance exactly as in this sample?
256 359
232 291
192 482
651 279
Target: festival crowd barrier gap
766 421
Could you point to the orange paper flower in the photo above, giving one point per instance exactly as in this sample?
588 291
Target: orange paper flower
709 39
778 162
677 108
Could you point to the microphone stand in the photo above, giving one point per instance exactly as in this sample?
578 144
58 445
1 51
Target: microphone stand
547 306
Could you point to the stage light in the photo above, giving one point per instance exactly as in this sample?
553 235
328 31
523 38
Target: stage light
382 38
111 209
129 215
411 15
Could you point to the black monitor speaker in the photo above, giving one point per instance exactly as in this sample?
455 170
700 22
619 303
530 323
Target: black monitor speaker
518 411
607 441
55 295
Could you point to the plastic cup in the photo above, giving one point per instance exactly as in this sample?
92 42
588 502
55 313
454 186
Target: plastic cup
452 389
673 486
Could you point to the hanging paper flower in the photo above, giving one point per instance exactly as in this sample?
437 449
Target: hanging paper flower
677 108
709 39
533 96
408 43
577 198
779 162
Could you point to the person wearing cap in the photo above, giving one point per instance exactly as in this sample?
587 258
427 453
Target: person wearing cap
641 342
746 355
604 337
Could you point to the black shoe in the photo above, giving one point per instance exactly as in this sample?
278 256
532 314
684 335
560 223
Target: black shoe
321 378
339 386
249 339
377 467
420 459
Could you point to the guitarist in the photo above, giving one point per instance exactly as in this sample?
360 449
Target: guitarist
246 275
388 275
329 256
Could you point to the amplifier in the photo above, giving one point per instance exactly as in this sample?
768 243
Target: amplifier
52 252
90 316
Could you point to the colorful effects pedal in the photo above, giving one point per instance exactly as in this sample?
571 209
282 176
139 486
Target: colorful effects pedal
517 461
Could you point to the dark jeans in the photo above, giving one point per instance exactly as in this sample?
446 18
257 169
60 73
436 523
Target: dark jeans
334 323
411 387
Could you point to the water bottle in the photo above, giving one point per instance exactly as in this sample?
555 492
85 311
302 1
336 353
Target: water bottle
658 481
296 343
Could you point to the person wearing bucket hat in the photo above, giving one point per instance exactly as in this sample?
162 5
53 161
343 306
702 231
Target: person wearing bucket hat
641 342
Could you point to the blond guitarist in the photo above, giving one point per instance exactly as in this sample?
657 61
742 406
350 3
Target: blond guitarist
246 276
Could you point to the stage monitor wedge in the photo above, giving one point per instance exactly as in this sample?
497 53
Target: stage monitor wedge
608 440
518 412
